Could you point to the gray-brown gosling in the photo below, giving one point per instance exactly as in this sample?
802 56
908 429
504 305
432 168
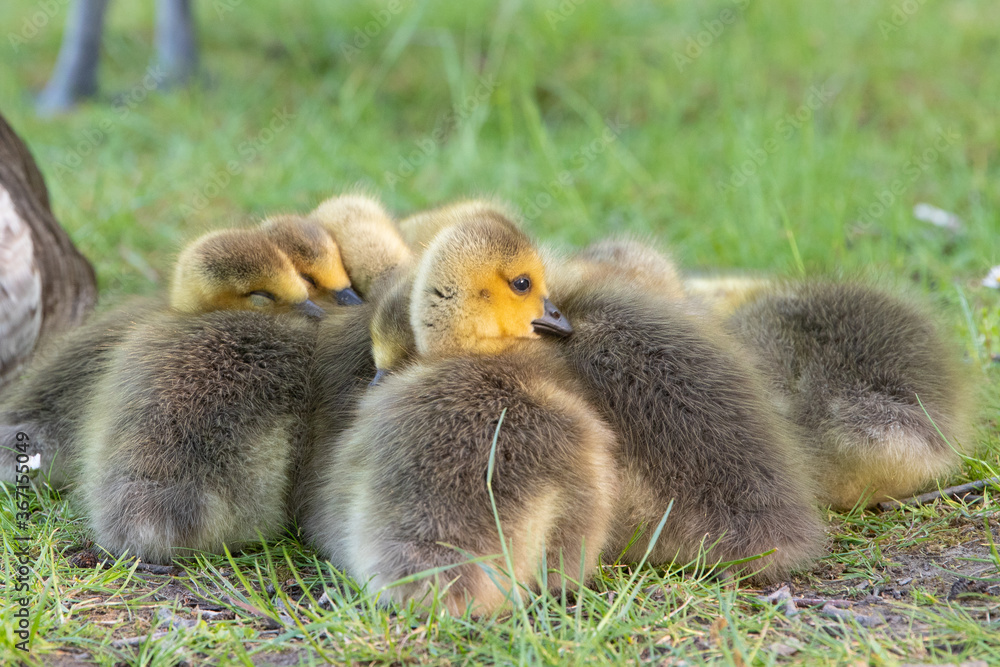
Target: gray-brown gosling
693 422
355 349
375 251
344 364
857 367
631 260
222 270
407 490
189 442
315 255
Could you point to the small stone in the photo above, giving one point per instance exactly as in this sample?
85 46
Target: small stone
780 595
166 616
846 615
872 621
957 588
655 593
783 597
783 649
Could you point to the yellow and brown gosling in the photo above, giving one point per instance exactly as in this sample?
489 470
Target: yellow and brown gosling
724 293
232 269
369 242
238 269
407 488
315 255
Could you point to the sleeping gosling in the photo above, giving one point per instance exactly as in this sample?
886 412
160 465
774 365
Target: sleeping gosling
875 386
221 270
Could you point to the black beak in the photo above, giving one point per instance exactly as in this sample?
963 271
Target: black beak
552 323
348 297
379 374
310 309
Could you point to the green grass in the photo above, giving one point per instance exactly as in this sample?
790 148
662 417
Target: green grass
589 119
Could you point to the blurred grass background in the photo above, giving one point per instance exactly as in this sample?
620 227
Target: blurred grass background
555 75
593 117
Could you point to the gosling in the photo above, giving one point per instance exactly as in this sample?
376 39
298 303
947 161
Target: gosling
877 388
693 424
376 251
315 255
222 270
407 491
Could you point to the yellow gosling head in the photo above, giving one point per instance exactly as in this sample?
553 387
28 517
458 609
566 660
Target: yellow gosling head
479 287
370 245
238 269
392 336
314 254
419 229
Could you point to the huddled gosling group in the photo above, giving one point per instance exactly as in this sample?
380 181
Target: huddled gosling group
454 416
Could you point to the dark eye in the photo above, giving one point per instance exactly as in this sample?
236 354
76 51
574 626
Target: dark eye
521 284
266 295
309 279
